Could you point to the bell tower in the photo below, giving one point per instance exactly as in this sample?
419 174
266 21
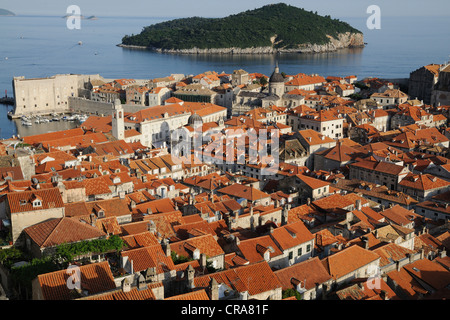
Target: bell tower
118 125
276 82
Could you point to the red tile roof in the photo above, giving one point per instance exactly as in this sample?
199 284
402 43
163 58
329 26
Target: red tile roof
309 273
139 240
205 244
313 183
54 232
423 182
391 252
291 235
134 294
149 257
22 201
95 278
194 295
348 260
255 278
379 166
53 136
253 249
430 272
399 215
312 137
242 191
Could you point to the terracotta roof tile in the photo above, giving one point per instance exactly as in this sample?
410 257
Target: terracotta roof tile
139 240
96 277
242 191
63 230
149 257
22 201
255 278
348 260
430 272
291 235
423 182
194 295
205 244
309 273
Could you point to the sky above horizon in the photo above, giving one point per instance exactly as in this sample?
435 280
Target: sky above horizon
215 8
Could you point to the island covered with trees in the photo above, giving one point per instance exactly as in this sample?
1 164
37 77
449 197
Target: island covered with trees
278 26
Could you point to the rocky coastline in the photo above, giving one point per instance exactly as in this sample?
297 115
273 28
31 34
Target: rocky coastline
344 40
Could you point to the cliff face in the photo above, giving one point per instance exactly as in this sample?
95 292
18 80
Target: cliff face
344 40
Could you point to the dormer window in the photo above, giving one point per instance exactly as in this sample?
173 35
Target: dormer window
37 203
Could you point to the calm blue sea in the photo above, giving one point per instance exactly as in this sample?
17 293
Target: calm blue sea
40 46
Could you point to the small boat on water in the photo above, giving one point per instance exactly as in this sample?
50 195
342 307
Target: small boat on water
27 123
82 118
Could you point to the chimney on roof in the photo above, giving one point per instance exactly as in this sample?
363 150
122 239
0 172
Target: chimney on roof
151 226
202 260
126 284
141 284
190 274
213 289
324 291
166 247
424 230
366 242
422 253
358 205
149 211
308 201
151 275
93 219
285 215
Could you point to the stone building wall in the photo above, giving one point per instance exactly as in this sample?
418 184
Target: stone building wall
421 82
47 95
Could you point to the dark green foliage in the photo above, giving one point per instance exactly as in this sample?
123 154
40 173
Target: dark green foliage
68 251
361 85
179 259
355 96
253 28
22 276
291 293
9 256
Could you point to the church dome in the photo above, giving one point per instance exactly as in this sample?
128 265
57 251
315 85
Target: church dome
276 76
194 118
